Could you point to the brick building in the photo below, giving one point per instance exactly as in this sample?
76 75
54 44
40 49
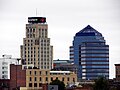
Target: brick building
117 72
17 76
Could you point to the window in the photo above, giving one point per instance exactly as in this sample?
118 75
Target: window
35 72
68 79
30 79
51 78
40 72
35 79
44 67
56 77
35 84
46 78
30 84
2 72
27 35
40 84
40 79
30 72
2 67
63 79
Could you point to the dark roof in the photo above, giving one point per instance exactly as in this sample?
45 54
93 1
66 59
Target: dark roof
117 64
88 31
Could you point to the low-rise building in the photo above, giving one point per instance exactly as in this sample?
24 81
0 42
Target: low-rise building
117 72
64 65
34 79
5 62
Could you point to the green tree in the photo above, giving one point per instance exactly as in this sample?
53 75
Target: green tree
101 84
61 85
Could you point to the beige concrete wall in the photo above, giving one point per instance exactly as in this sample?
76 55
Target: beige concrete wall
44 76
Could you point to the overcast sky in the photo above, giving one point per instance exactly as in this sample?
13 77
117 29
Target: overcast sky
64 18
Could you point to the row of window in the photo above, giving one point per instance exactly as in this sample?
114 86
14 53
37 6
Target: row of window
94 55
42 55
46 73
30 62
4 67
94 51
40 72
35 85
92 77
32 29
95 66
94 47
46 79
31 33
95 70
93 44
31 48
103 74
37 43
94 62
5 76
95 76
31 41
4 72
95 58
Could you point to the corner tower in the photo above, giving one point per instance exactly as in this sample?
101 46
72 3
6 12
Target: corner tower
36 49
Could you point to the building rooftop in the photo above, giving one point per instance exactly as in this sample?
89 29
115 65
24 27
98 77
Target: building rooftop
117 64
88 31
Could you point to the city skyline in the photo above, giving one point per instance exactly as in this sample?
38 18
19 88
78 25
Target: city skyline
64 19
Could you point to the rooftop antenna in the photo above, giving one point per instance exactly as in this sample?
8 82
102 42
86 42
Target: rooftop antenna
36 11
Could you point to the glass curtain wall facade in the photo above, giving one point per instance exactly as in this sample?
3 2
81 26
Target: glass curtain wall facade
91 54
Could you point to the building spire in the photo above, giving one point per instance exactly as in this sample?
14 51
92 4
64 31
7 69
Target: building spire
36 11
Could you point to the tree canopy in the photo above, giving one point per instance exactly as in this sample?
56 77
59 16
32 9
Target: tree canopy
101 84
61 85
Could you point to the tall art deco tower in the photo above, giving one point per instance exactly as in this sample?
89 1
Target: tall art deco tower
36 49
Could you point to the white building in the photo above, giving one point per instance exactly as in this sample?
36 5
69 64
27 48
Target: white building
5 62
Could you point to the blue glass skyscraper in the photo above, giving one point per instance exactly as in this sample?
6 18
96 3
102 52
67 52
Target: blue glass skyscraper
90 54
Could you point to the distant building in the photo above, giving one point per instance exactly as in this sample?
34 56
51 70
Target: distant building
117 72
36 48
64 65
71 53
36 77
17 77
61 62
90 53
5 66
